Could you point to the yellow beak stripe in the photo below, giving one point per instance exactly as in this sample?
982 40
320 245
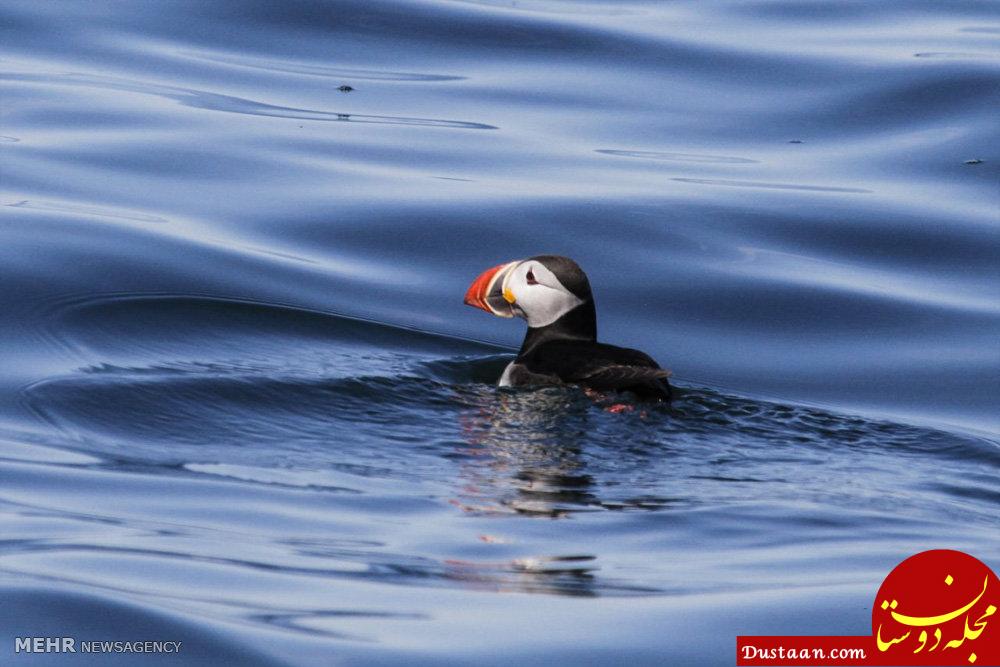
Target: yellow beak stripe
508 296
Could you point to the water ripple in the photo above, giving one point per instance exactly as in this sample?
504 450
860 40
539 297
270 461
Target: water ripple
321 70
954 54
770 186
200 99
82 209
678 157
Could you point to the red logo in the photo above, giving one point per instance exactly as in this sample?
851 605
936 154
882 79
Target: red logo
935 608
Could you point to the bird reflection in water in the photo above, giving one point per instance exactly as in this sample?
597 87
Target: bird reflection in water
523 454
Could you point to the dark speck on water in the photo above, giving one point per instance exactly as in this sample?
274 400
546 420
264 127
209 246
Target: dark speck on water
242 405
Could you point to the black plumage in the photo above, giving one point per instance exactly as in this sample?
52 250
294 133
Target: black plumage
567 352
590 364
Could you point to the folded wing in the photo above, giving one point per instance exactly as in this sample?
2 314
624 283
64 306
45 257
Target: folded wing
600 366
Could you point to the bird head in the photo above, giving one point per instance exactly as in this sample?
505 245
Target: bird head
540 290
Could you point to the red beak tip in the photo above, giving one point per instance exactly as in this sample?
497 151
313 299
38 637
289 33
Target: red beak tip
476 294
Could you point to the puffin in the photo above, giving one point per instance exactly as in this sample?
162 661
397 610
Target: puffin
553 295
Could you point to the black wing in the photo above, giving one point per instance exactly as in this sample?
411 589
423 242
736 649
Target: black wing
600 366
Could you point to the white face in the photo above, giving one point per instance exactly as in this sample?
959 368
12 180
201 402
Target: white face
538 295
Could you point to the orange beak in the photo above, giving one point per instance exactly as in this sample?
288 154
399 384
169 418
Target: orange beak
486 291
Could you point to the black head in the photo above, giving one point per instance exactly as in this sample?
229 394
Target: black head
550 292
569 274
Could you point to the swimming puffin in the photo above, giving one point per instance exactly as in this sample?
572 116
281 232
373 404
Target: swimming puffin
553 294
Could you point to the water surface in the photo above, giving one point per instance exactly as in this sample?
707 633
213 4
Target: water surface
242 405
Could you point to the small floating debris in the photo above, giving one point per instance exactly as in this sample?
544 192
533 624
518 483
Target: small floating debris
556 564
345 89
974 161
796 141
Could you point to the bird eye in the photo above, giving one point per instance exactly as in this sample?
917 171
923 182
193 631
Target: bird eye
531 277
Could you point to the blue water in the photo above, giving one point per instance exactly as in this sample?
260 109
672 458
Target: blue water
242 404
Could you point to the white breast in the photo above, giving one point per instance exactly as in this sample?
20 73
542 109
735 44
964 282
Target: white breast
505 378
